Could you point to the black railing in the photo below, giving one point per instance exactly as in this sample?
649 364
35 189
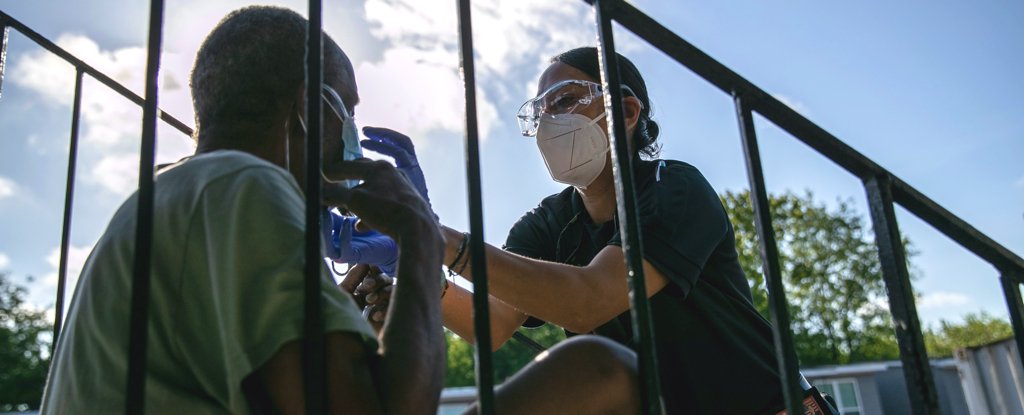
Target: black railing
478 260
884 190
81 69
313 356
628 212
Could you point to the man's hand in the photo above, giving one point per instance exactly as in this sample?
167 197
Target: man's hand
385 200
371 290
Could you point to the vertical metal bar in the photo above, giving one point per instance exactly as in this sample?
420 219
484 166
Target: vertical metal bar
69 194
481 310
893 258
629 222
785 354
1011 289
4 31
313 340
136 398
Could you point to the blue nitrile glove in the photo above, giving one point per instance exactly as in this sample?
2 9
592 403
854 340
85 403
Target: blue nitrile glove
398 146
345 244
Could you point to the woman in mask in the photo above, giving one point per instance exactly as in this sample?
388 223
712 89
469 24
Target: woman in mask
562 262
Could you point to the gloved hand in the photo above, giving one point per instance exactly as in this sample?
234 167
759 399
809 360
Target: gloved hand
344 243
398 146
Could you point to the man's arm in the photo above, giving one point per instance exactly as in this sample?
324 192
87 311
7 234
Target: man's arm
406 373
350 384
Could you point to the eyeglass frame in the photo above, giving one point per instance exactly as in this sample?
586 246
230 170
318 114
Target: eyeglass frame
528 124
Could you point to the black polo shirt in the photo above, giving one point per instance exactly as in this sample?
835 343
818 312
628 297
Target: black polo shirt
714 350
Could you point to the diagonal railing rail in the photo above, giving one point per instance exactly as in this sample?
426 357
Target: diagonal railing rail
81 68
883 190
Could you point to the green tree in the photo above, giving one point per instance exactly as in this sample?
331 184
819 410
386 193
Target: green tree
24 349
507 360
831 273
976 329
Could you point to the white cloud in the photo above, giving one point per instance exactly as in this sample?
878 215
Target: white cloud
4 261
796 105
941 299
110 123
512 44
7 187
76 259
413 85
433 99
117 173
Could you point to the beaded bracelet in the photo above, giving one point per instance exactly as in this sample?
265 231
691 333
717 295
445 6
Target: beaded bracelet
459 252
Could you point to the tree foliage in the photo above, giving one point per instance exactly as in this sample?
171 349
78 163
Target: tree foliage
507 360
24 349
976 329
831 273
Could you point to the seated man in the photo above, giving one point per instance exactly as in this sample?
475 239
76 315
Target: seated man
226 306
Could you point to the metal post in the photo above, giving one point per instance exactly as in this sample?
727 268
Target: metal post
4 31
785 354
916 368
629 219
6 20
481 311
1011 289
313 339
136 396
69 194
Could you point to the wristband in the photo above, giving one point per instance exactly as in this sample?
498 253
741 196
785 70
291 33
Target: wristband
458 254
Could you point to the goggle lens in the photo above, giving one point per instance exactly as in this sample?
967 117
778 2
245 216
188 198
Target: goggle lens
564 97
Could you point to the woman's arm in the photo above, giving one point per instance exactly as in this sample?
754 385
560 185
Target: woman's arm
577 298
457 314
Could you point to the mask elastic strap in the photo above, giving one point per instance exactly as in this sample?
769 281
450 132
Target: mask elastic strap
598 118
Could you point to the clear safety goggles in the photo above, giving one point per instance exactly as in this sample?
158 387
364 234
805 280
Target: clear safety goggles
564 97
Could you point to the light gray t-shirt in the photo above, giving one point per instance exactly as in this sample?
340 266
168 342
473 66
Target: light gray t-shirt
226 292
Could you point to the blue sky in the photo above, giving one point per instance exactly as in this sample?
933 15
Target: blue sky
930 90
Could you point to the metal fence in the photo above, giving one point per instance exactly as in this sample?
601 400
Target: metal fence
883 190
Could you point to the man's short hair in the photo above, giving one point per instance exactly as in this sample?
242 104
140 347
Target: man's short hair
251 63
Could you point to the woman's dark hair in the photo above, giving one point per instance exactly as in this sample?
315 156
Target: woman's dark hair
585 59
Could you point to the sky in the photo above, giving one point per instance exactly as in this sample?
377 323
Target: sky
929 90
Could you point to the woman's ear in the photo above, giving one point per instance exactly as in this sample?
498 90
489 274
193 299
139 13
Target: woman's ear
631 108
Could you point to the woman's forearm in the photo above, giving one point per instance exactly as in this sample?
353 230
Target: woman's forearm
457 312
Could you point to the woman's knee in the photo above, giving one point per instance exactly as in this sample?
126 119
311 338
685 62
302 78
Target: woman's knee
595 353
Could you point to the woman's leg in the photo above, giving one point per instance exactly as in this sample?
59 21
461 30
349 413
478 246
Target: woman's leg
582 375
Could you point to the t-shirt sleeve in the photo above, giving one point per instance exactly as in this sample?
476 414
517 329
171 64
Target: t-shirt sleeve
682 222
252 223
530 238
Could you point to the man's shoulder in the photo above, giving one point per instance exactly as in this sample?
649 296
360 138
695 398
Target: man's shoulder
222 168
220 163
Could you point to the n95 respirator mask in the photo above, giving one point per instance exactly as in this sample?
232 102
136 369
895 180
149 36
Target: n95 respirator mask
573 146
